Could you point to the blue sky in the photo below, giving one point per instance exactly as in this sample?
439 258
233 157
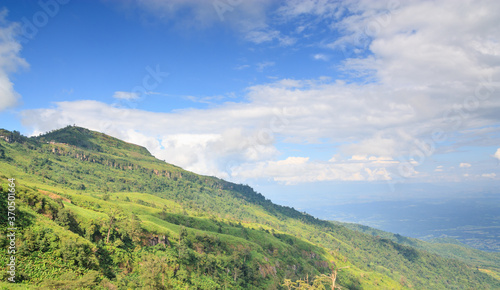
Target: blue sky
350 100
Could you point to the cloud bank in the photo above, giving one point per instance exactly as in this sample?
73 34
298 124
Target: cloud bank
422 86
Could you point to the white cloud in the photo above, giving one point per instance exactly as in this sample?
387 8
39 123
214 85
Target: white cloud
262 65
195 139
497 154
247 18
198 14
259 36
465 165
439 168
240 67
409 50
489 175
294 170
10 61
317 8
125 95
223 141
320 56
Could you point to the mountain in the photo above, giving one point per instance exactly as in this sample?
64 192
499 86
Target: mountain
94 212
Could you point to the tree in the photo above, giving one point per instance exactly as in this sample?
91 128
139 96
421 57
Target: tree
115 216
79 254
153 271
332 278
289 284
66 219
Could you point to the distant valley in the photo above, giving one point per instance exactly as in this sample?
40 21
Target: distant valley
473 222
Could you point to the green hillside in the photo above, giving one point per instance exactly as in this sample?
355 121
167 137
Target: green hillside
94 212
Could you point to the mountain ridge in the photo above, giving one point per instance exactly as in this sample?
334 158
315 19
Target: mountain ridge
87 139
123 208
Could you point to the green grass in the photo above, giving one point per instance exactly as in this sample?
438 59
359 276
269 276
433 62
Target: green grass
84 213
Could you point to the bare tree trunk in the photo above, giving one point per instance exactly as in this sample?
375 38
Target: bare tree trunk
112 220
109 232
334 277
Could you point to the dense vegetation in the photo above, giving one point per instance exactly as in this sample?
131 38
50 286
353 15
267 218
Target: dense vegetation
96 212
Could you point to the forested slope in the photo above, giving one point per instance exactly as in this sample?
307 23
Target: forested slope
95 212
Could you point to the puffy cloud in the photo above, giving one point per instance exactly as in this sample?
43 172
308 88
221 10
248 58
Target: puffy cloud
465 165
10 61
197 140
409 50
294 170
